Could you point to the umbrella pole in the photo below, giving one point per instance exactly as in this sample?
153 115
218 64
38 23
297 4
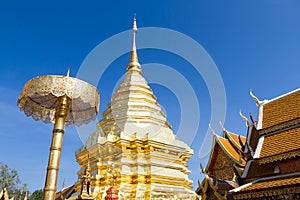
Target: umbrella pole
62 109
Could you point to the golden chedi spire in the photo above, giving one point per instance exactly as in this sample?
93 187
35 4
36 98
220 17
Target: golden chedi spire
134 61
134 135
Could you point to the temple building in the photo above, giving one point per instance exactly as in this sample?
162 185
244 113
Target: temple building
225 165
270 155
134 148
272 170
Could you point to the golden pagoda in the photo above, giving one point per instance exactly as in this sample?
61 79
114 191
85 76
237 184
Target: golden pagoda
134 148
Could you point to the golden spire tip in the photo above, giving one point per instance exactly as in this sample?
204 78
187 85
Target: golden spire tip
134 62
134 26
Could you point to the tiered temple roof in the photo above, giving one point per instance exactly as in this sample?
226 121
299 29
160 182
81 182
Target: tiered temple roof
280 110
280 146
230 145
225 161
268 158
273 170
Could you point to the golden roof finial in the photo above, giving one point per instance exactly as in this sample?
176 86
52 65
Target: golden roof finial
202 169
222 126
258 102
212 130
244 118
134 61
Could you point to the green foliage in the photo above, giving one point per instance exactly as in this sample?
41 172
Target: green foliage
36 195
10 179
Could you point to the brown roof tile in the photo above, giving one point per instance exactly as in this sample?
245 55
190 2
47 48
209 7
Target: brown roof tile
281 110
280 143
269 184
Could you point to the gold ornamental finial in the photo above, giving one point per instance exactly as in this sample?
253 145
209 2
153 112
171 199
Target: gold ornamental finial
222 126
202 169
134 61
244 118
212 130
258 102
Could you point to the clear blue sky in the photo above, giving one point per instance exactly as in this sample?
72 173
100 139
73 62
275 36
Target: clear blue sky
255 44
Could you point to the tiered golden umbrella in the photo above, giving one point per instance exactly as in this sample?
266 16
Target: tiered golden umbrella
62 100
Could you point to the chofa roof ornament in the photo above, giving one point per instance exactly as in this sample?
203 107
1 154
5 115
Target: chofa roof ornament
244 118
258 102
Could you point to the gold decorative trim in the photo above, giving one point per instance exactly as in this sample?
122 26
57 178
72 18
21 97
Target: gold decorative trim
268 193
153 102
40 97
109 110
279 157
135 91
288 124
146 87
131 117
204 187
211 155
